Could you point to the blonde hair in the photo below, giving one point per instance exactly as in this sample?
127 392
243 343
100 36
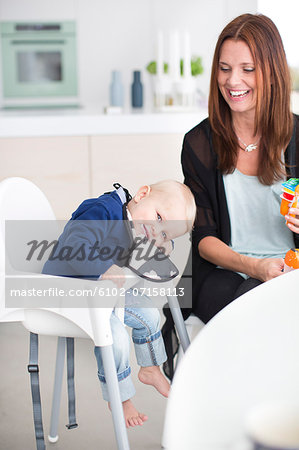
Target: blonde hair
179 191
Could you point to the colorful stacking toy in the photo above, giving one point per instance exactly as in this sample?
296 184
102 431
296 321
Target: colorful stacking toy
291 260
289 199
289 196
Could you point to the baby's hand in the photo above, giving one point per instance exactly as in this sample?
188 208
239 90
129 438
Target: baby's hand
293 222
115 274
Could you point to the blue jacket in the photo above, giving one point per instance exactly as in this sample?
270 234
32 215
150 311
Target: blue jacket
96 236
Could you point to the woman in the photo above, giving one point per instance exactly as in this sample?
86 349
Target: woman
234 162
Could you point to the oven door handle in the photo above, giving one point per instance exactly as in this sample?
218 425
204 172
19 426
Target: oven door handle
38 42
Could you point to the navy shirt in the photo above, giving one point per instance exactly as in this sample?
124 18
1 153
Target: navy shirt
96 237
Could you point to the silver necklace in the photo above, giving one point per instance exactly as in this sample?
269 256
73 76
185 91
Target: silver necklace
249 147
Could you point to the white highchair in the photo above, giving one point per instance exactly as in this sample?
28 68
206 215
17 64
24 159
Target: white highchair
20 199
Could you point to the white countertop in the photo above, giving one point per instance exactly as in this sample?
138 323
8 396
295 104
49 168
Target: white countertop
84 122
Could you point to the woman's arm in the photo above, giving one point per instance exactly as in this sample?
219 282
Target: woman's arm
217 252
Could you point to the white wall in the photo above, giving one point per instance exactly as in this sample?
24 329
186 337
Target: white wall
118 34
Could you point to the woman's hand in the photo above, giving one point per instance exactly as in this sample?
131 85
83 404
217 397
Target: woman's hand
218 253
269 268
293 222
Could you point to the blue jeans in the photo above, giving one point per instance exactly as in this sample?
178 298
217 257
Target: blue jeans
147 338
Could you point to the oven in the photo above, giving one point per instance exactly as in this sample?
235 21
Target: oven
39 64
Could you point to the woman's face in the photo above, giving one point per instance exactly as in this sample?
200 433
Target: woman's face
237 76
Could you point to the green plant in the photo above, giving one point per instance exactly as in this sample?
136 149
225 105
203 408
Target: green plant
196 66
152 67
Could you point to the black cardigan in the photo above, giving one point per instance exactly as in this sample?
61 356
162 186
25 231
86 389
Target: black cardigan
199 163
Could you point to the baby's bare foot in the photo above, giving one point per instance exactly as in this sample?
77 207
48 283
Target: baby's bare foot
132 416
153 376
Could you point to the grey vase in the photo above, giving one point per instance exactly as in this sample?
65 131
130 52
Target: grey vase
137 90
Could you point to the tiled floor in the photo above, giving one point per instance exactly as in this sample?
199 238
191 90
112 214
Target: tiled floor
95 429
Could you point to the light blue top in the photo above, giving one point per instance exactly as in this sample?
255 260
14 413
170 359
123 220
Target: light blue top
258 230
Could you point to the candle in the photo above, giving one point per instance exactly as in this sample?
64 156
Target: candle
187 56
160 63
175 70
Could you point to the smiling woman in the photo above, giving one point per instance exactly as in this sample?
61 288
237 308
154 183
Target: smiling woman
236 76
235 162
237 81
250 128
254 55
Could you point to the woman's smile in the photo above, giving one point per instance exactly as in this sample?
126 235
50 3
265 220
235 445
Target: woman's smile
238 94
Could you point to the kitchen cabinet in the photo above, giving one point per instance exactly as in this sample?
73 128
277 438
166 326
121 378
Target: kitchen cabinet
59 166
134 160
69 169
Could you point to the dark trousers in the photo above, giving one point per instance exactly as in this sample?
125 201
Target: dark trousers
219 289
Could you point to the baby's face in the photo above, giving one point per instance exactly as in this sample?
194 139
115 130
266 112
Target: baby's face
158 218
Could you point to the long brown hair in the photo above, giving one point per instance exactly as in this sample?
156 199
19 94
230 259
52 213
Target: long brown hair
273 117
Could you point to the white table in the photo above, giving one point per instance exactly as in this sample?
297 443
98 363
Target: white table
247 354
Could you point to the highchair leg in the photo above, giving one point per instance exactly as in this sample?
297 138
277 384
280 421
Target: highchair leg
179 321
115 400
60 357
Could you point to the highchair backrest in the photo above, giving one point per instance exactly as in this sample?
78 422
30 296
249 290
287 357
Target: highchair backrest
20 199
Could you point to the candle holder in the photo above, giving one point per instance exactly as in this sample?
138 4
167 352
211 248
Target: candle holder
162 89
174 84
